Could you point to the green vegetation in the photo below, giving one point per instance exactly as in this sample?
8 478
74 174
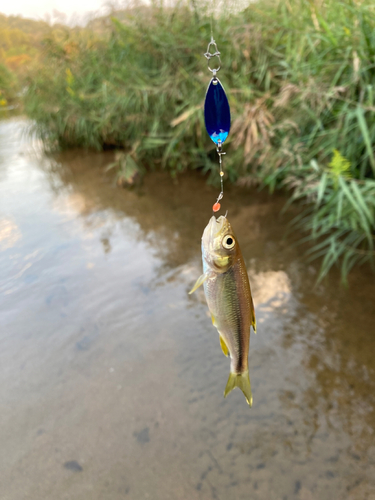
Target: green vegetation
7 85
300 76
21 49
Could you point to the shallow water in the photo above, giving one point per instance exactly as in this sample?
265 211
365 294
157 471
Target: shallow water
112 376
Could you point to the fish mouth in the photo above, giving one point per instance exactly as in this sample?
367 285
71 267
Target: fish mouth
213 229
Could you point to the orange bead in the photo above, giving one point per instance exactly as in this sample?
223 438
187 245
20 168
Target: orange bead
216 207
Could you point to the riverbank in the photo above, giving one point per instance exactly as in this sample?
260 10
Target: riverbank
299 78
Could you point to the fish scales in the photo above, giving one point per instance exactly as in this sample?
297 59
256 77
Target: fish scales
227 290
231 317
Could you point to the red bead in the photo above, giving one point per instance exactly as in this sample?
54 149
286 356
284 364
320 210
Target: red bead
216 207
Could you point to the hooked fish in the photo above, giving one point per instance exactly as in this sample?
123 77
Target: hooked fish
227 289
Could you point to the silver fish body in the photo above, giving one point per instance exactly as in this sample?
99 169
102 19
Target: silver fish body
227 290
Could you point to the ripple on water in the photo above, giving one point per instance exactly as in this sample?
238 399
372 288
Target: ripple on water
110 369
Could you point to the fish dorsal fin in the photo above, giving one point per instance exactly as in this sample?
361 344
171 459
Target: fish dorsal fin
201 280
224 346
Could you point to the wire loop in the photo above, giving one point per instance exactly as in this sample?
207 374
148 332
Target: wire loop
208 55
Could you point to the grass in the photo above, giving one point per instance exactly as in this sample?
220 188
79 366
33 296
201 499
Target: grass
300 77
7 86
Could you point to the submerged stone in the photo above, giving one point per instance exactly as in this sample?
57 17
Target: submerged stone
73 465
217 112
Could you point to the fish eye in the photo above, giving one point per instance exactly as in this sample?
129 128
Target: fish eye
228 242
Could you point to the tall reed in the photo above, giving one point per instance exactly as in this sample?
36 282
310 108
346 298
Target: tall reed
300 79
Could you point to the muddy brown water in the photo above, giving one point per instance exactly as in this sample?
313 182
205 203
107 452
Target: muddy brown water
112 377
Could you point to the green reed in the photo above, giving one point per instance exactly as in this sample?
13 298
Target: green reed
300 77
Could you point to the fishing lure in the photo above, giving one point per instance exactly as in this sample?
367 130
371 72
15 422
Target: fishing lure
216 112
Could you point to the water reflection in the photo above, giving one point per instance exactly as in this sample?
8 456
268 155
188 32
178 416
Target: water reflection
9 234
116 375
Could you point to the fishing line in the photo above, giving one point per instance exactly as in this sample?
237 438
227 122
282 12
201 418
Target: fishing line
216 110
211 20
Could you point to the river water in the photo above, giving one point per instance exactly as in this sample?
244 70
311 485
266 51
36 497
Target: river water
112 376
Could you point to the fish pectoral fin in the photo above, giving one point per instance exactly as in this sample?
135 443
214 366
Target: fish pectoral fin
241 380
224 346
200 281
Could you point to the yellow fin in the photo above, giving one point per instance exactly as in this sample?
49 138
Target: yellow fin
254 324
253 320
202 278
224 346
241 380
213 320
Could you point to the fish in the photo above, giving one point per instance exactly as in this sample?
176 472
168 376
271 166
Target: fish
228 295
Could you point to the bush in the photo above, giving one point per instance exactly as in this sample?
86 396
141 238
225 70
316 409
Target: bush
7 86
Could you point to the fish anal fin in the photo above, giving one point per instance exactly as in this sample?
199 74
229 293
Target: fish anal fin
202 278
253 320
224 346
241 380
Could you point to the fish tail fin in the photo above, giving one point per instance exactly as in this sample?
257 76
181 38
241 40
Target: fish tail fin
241 380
